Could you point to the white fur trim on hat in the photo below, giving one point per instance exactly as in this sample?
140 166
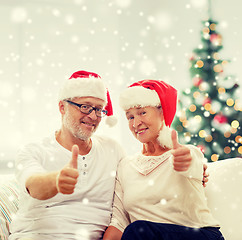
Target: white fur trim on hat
111 121
83 87
138 96
164 137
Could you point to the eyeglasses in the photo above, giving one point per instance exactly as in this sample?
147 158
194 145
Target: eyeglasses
87 109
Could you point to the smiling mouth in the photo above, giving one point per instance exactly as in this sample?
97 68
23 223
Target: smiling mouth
141 131
88 124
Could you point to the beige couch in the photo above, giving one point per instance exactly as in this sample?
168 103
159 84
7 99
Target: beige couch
224 194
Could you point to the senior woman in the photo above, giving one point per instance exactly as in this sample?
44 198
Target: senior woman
159 192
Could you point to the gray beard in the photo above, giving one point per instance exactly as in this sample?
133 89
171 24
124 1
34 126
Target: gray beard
74 128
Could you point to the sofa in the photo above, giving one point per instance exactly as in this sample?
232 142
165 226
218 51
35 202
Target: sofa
223 192
9 192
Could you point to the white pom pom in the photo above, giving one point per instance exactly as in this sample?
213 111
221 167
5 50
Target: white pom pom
164 137
111 121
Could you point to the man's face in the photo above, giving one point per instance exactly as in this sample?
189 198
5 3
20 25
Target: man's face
79 124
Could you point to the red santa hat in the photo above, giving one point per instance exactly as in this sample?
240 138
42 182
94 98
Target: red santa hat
88 84
151 93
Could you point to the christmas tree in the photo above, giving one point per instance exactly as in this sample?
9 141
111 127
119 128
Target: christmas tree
209 113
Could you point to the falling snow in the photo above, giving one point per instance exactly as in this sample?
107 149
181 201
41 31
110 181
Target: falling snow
123 40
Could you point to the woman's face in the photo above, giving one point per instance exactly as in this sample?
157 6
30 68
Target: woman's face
145 123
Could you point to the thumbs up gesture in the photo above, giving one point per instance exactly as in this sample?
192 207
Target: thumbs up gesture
181 154
67 177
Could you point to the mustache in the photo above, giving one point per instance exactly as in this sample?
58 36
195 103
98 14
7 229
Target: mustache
88 122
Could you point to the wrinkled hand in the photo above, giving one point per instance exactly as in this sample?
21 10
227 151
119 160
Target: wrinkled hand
67 177
182 156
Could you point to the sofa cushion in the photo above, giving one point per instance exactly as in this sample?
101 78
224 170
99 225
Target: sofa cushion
9 191
3 229
224 196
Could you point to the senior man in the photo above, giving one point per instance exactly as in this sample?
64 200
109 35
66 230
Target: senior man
67 180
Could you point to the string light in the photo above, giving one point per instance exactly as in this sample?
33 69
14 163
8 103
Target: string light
202 134
227 150
240 149
238 139
187 136
208 106
218 68
216 56
230 102
227 134
214 157
203 86
182 115
199 64
185 124
206 114
212 26
182 119
233 130
238 105
192 108
206 30
188 91
221 90
212 112
196 94
198 118
235 124
209 138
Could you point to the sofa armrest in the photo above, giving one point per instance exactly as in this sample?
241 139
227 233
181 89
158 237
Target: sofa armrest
224 195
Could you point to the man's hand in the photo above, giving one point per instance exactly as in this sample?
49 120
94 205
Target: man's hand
182 155
67 177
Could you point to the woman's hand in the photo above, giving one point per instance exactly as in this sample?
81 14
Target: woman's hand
182 156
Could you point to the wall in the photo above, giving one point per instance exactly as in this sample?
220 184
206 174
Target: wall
44 41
